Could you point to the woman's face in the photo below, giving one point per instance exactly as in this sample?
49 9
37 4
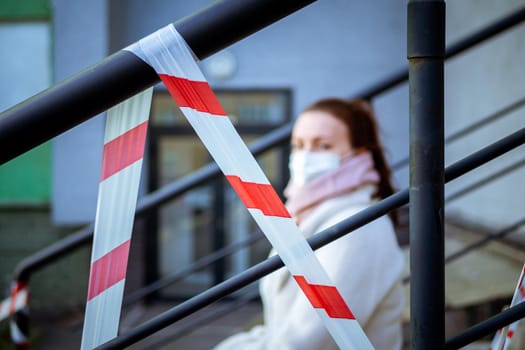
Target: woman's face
319 131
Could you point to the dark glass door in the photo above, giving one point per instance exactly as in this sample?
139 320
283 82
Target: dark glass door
211 216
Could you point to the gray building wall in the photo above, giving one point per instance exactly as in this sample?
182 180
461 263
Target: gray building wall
81 35
330 48
479 83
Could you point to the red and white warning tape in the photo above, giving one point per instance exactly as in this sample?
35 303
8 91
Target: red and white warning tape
17 300
503 336
17 336
124 140
167 52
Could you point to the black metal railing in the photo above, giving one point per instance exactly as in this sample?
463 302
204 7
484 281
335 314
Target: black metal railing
457 135
322 238
161 196
234 247
81 98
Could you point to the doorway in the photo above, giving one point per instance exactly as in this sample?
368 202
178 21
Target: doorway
211 216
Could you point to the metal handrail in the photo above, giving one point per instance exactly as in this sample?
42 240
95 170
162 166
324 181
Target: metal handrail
145 205
487 327
483 241
122 75
209 259
170 191
451 51
195 266
324 237
238 302
81 96
470 128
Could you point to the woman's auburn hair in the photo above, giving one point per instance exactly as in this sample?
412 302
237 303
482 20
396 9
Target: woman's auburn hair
359 117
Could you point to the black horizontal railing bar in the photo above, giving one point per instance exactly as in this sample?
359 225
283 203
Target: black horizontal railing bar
470 128
195 266
209 172
143 77
230 249
485 240
452 172
53 252
145 204
190 306
484 121
191 325
324 237
487 327
452 50
122 75
494 176
480 243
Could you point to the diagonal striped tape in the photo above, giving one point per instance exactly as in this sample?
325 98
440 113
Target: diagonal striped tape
124 141
167 52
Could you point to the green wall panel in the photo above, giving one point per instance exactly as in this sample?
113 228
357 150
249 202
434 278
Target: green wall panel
27 178
24 9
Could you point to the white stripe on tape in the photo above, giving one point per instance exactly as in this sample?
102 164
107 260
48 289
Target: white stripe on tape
116 200
132 113
225 145
105 309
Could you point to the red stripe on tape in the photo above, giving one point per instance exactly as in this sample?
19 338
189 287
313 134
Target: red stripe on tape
15 289
108 270
123 150
194 94
325 297
259 196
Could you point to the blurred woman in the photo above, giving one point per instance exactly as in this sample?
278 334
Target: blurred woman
337 169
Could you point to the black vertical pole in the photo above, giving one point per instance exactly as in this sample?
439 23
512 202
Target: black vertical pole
426 50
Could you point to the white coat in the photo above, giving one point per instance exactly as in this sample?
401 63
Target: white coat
365 265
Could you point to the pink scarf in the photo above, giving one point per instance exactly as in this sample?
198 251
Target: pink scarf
355 172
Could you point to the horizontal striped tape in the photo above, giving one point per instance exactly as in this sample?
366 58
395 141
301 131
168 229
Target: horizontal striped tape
123 150
108 270
325 297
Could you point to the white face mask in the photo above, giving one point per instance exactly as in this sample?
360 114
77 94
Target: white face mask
305 166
